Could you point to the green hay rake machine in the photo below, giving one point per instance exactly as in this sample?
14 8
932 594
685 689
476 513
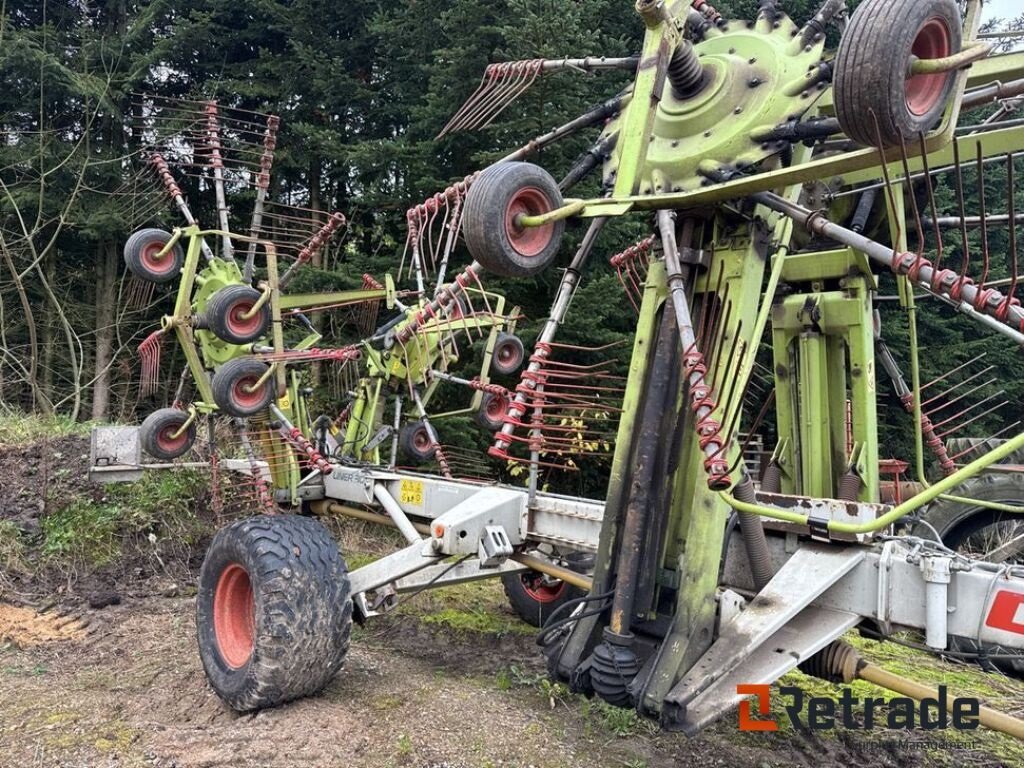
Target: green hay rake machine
779 176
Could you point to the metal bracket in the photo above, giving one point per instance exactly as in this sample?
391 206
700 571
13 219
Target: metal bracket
695 256
494 546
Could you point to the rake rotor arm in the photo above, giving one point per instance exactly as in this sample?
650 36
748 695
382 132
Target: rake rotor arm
566 290
944 283
591 117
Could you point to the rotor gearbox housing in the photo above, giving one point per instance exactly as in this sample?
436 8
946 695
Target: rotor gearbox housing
756 76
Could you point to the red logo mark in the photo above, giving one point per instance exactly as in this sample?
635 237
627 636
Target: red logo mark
1005 609
747 723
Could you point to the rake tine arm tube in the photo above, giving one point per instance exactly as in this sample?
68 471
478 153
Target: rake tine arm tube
945 283
164 172
566 290
702 402
262 188
597 114
217 165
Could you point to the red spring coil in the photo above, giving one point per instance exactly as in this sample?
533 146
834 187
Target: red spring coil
165 176
709 430
318 240
442 461
494 389
267 159
263 493
371 284
343 417
708 10
213 136
315 457
911 264
633 253
937 447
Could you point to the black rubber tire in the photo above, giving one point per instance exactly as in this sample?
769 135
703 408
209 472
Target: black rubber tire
526 605
138 256
486 415
487 219
871 66
223 310
155 434
956 523
508 355
413 438
948 518
301 610
229 383
980 446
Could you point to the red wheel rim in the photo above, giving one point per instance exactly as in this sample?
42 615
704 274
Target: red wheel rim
496 409
153 262
421 440
246 394
241 326
934 41
528 241
540 590
167 442
508 355
234 616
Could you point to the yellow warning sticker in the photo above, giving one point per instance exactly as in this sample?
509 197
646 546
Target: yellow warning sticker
284 402
411 492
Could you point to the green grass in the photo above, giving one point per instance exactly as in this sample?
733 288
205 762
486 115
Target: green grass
160 507
16 428
994 690
615 721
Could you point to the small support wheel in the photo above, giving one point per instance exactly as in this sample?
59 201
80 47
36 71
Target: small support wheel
872 69
230 317
534 596
142 256
235 387
508 354
497 200
274 611
162 437
491 413
414 439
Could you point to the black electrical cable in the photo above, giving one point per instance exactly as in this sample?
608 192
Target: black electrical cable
551 624
952 654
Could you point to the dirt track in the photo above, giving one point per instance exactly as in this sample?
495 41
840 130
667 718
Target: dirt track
132 693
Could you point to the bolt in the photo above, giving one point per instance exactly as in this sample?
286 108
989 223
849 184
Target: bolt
738 110
707 134
675 144
752 60
754 82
